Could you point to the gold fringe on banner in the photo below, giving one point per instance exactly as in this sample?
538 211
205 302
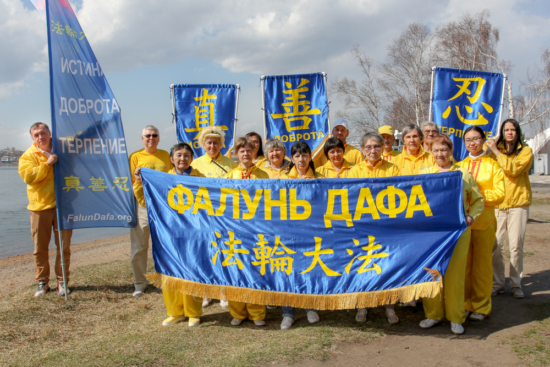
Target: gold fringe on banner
318 302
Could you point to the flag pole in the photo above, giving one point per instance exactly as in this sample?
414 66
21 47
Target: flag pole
501 105
326 91
431 94
262 82
236 111
174 118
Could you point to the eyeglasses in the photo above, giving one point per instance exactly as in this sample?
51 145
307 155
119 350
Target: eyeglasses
151 135
473 140
368 148
426 132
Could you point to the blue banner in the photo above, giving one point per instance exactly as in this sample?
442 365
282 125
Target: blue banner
329 243
93 184
296 109
202 105
463 98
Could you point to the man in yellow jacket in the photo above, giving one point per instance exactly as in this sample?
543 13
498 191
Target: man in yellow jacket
351 153
159 160
36 170
388 134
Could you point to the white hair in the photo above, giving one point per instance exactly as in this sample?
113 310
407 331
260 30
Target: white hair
149 127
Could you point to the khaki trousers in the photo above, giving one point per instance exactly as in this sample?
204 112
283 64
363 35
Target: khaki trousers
42 223
139 244
511 226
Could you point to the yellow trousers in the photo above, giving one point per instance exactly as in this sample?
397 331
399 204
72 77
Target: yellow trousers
450 304
179 304
479 271
241 310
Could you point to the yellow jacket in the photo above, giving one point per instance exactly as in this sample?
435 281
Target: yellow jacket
351 154
390 156
208 168
277 173
252 173
471 196
160 161
328 171
39 179
261 161
382 169
138 185
490 181
412 165
310 174
516 176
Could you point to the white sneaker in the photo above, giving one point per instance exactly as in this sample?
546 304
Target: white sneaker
312 317
236 322
259 322
206 302
457 329
392 317
361 315
428 323
139 289
287 323
467 313
271 307
43 288
194 321
477 317
137 293
410 304
61 289
223 304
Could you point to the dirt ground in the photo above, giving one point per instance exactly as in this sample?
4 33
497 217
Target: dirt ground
484 343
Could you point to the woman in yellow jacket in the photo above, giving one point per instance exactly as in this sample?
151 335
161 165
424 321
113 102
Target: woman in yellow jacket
450 304
372 145
246 170
479 267
213 163
414 158
178 305
258 157
515 159
336 166
277 164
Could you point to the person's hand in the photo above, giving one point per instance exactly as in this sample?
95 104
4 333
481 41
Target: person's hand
51 160
469 220
137 174
492 144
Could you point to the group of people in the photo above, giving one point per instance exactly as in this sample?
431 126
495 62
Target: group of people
496 197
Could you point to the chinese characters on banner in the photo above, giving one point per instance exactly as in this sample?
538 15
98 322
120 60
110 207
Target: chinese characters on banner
92 174
296 109
310 237
200 105
464 98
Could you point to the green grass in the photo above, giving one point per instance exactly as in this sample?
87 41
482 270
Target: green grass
533 346
541 201
527 254
102 325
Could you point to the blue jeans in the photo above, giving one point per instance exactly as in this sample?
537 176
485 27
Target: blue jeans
291 312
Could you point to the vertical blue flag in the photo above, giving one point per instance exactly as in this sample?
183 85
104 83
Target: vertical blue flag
464 98
201 105
93 184
296 109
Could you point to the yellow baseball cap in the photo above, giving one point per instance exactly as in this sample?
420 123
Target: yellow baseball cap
386 129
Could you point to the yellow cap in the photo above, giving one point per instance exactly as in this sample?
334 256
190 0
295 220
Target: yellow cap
386 129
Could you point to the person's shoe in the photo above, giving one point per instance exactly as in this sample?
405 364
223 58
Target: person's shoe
206 302
428 323
43 288
259 322
361 315
271 307
457 329
223 304
61 289
477 317
517 293
194 321
287 323
172 320
497 290
312 317
467 313
392 317
410 304
138 293
236 322
139 289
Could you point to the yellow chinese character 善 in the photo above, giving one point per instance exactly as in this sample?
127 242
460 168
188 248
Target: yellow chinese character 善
204 113
297 109
98 184
230 254
317 259
265 256
465 89
368 258
120 182
72 182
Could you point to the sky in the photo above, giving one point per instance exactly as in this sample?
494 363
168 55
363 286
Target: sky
145 46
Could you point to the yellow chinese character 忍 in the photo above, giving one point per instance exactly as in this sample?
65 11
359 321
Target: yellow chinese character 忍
70 32
57 28
204 113
72 182
297 108
464 89
367 258
317 259
98 184
120 182
265 256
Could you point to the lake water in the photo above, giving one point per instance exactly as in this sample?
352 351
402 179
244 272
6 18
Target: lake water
15 233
